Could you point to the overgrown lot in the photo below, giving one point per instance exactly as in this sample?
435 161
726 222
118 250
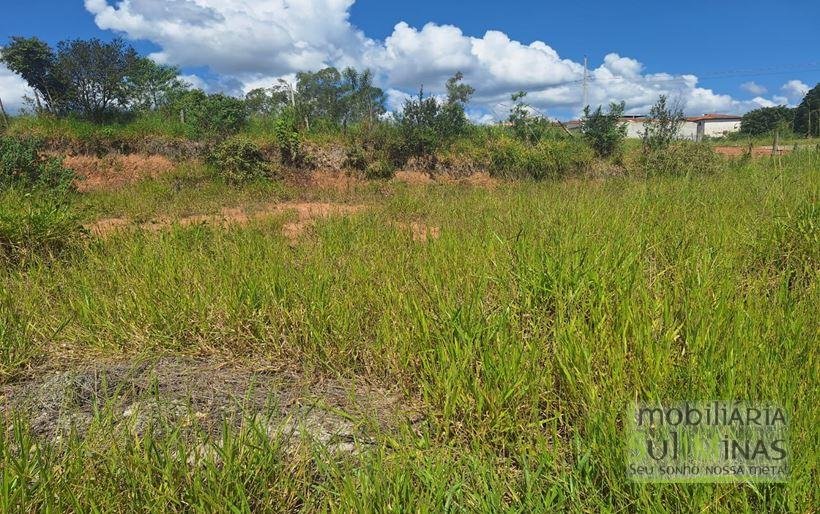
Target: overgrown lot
471 348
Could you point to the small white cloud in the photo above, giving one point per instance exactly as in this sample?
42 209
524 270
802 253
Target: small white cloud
795 89
12 90
753 88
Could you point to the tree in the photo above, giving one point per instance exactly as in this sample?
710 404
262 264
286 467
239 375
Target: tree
211 115
604 131
807 114
663 125
426 125
266 101
417 124
320 95
526 124
96 74
362 100
151 86
452 120
36 63
766 119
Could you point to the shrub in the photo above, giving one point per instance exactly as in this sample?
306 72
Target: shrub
37 226
680 158
510 158
288 139
380 169
355 158
22 164
604 131
663 125
210 116
238 159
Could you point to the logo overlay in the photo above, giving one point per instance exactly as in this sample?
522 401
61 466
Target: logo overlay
710 441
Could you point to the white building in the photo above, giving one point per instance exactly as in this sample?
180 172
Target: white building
693 128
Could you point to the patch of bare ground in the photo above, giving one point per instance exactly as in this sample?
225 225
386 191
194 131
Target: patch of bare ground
307 213
115 170
204 395
757 151
422 178
335 180
414 178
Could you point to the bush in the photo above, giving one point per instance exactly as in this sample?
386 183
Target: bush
679 159
22 164
37 226
210 116
604 132
379 170
288 139
238 159
511 158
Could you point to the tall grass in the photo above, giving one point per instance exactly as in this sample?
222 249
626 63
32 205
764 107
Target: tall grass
523 332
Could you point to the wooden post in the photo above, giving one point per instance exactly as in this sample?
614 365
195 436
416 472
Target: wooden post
182 116
775 143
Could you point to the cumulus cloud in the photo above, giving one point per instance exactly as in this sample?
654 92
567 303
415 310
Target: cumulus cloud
755 89
12 90
252 43
795 89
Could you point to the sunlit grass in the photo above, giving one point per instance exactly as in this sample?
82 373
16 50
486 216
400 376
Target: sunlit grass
523 332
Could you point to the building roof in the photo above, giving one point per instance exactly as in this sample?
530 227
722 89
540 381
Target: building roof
715 117
641 118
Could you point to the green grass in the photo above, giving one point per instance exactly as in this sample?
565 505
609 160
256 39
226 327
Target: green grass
523 333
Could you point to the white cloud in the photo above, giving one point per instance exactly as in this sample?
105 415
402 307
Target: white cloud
12 90
753 88
251 43
795 89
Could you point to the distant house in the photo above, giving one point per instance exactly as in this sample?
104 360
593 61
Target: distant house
714 125
694 128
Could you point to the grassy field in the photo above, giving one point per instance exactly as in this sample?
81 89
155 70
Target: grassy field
511 337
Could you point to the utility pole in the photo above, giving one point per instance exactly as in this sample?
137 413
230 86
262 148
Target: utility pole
586 88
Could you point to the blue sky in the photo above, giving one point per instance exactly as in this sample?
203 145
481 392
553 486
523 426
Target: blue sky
743 53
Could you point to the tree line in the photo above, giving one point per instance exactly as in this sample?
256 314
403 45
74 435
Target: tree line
803 120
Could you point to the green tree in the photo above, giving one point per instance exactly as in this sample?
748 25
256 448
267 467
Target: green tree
362 100
526 124
604 131
807 114
96 74
36 63
766 119
265 101
426 125
319 96
211 115
452 120
663 125
151 86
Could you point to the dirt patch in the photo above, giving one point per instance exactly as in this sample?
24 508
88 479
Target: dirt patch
335 180
481 179
757 151
414 178
307 213
114 171
187 392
